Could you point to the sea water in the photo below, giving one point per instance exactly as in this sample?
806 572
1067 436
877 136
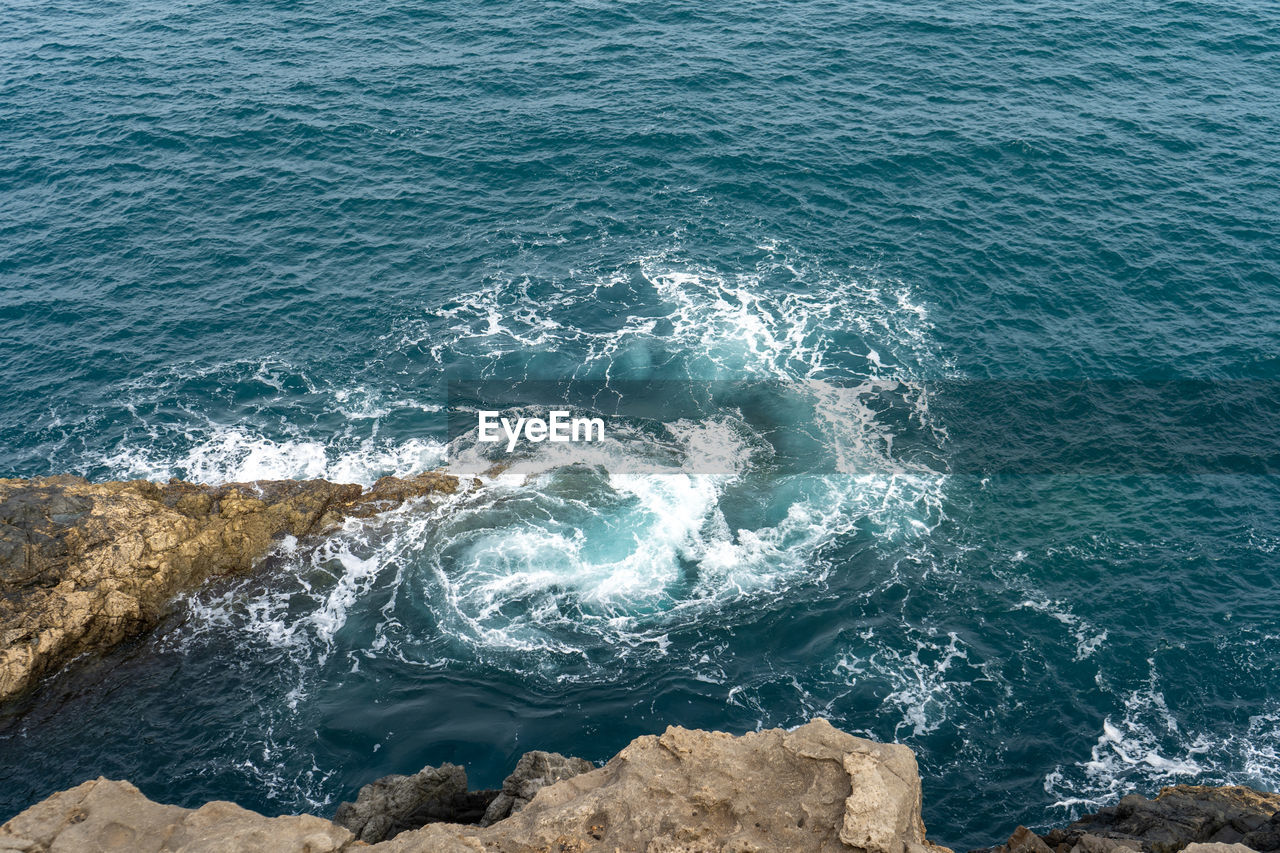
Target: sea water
257 239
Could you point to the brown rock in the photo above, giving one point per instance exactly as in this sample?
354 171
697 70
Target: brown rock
1266 837
883 807
1179 816
687 791
534 771
1023 840
1097 844
393 804
114 816
84 566
681 792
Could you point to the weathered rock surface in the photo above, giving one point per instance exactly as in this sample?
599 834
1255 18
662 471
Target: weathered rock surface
114 816
84 565
393 804
1265 837
534 771
1191 818
813 789
1024 840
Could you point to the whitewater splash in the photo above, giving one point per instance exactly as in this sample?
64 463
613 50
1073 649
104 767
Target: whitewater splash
809 492
1150 744
569 548
572 564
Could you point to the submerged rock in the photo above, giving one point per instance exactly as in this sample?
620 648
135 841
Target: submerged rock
534 771
813 789
1194 818
84 565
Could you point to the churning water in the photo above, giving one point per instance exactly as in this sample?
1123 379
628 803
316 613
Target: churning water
244 240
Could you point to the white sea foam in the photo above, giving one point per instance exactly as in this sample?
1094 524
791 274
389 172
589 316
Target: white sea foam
1088 638
926 682
250 420
578 560
1259 748
1149 744
543 559
237 454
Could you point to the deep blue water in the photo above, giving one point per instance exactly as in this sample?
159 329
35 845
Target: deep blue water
247 239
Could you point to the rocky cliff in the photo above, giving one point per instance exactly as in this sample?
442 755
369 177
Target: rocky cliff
813 789
84 566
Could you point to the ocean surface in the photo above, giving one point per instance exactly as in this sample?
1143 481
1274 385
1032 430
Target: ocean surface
249 239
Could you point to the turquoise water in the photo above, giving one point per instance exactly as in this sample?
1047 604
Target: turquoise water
254 239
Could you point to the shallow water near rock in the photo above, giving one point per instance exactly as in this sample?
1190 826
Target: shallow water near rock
247 241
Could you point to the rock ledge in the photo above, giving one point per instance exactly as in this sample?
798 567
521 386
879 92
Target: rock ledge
84 565
813 789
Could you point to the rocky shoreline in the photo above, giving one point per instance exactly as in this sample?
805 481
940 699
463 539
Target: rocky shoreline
86 566
1192 818
813 789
